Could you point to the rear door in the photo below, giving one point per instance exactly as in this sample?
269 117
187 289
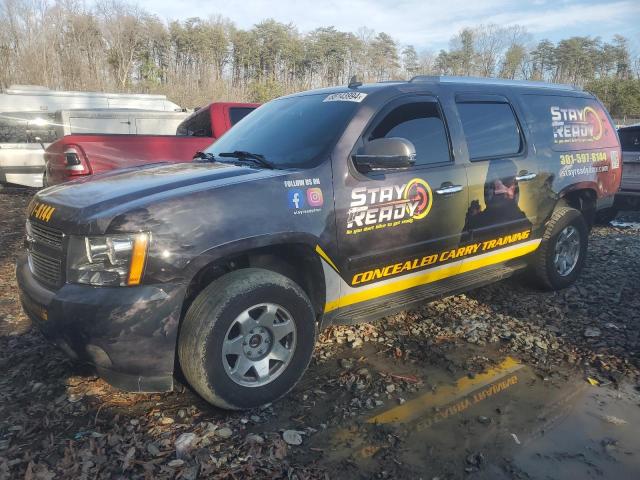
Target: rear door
396 226
506 184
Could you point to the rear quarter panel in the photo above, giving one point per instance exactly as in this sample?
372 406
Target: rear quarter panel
110 152
574 135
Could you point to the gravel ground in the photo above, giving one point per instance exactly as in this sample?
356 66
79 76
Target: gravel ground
57 420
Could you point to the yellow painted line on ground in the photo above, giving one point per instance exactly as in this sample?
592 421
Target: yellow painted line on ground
424 404
431 276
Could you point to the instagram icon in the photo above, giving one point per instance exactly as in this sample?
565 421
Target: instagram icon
314 197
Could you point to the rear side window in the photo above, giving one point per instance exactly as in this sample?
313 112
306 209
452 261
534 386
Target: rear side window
238 113
491 129
199 125
567 123
630 139
27 127
421 124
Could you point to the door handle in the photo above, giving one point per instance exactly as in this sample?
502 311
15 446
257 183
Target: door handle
447 189
525 177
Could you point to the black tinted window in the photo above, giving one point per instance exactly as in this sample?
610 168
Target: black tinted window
290 132
27 127
237 113
630 138
491 129
421 124
199 125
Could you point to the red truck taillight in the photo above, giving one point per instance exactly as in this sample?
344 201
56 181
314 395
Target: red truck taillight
75 163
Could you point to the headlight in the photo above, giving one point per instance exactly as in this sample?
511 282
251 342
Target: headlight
107 260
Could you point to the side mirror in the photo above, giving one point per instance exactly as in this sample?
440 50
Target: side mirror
385 154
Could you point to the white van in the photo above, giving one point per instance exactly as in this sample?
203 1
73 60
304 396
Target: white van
33 98
31 117
118 121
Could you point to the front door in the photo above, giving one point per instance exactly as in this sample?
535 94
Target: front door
400 229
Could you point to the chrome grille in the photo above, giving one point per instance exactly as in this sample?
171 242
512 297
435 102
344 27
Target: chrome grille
45 249
45 268
46 235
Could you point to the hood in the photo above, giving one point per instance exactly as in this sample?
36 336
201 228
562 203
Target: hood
118 190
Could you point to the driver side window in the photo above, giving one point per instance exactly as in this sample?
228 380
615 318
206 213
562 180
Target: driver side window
421 124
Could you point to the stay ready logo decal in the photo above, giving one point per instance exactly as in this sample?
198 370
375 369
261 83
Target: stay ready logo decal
572 125
374 208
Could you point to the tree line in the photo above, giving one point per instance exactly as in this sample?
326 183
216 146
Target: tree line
117 46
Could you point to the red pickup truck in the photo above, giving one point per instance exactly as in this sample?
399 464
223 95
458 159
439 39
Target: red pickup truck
86 154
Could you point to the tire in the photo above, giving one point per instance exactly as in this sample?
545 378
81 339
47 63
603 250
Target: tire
247 312
604 216
564 221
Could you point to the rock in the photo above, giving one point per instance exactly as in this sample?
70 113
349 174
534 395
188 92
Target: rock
224 432
254 439
614 420
185 443
182 413
190 473
475 459
390 388
357 343
346 363
402 401
592 332
292 437
484 420
75 397
153 449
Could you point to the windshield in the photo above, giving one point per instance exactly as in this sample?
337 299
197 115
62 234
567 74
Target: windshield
290 132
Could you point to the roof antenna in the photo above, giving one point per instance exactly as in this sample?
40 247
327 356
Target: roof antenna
354 83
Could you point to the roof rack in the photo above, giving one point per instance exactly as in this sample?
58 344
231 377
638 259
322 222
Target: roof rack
491 81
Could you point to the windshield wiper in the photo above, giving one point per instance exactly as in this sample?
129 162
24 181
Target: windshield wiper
254 158
204 157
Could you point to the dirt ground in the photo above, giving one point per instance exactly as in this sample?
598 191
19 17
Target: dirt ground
505 382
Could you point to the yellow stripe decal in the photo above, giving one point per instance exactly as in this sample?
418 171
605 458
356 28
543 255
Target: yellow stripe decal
433 275
326 258
424 404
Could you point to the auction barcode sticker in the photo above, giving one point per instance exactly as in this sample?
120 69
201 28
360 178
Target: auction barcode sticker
346 97
615 160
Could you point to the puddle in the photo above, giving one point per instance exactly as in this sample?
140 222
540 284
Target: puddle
507 422
620 224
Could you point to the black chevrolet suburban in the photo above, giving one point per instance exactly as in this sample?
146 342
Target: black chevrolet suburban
335 205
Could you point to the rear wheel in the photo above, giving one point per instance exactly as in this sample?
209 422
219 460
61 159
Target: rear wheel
247 338
563 250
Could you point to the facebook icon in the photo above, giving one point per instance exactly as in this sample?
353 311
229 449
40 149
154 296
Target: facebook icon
296 199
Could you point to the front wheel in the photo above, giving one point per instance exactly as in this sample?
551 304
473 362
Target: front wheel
247 338
563 250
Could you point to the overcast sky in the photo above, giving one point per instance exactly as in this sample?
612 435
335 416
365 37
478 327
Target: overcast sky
422 22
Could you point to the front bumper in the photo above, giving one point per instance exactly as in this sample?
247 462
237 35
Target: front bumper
128 333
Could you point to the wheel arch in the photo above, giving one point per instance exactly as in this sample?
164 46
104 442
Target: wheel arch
292 255
583 197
